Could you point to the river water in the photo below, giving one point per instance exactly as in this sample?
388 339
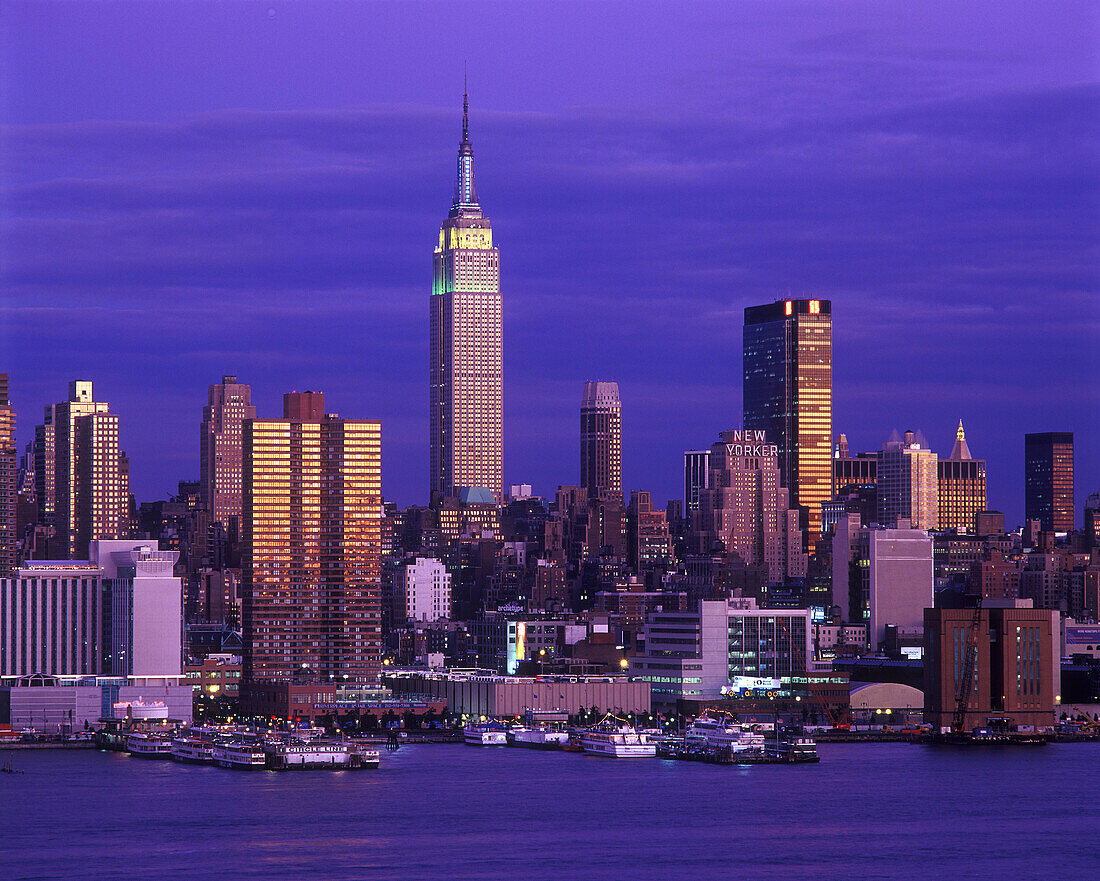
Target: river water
894 811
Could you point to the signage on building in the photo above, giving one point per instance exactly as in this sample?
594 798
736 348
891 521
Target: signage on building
372 705
741 683
751 443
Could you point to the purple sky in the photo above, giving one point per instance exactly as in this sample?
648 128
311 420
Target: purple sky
196 189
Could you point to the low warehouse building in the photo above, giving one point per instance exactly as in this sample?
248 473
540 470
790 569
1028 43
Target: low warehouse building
886 703
492 695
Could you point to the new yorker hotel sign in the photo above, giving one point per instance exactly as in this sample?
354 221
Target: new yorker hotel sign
749 443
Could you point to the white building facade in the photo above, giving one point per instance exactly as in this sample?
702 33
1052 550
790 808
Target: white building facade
425 585
119 613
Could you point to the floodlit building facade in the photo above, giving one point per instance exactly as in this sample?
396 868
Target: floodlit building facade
788 392
907 484
602 440
8 471
311 535
961 487
425 585
90 474
747 509
467 386
1017 665
229 403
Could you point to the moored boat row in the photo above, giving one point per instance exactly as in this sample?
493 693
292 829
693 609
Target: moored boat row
242 748
710 738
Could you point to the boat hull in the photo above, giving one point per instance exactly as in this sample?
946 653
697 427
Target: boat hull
619 750
539 739
491 737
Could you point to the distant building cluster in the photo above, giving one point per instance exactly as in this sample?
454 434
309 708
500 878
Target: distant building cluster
794 569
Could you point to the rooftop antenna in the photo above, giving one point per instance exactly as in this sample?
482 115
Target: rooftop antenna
465 106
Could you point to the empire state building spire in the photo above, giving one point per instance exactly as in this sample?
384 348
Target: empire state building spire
465 192
467 385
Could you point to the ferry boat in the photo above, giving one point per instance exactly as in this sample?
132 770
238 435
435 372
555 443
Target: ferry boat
195 750
236 754
282 755
794 747
617 739
486 734
708 732
537 738
149 746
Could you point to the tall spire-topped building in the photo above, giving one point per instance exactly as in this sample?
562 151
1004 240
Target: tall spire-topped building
467 388
961 487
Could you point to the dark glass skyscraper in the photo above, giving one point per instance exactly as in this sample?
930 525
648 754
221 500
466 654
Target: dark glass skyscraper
1048 480
696 477
788 392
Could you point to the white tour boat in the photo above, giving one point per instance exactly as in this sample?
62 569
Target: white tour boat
617 739
149 746
236 754
486 734
195 750
297 754
708 732
537 738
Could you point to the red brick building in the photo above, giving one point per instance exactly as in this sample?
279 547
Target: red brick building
1017 670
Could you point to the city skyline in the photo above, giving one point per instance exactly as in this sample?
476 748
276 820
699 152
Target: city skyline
571 167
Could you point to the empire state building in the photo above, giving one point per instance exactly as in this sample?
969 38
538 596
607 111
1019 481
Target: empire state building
467 393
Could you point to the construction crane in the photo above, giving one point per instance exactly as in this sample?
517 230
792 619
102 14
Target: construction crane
965 685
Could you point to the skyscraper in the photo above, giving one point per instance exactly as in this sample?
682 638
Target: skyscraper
696 476
788 393
961 487
228 405
1048 480
908 482
849 470
311 517
601 440
91 474
467 391
747 509
8 463
45 490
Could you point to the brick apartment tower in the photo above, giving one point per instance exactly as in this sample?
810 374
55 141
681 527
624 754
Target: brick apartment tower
8 497
311 522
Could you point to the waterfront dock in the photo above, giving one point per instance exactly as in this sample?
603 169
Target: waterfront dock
674 748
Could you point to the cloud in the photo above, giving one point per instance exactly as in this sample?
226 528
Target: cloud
297 245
